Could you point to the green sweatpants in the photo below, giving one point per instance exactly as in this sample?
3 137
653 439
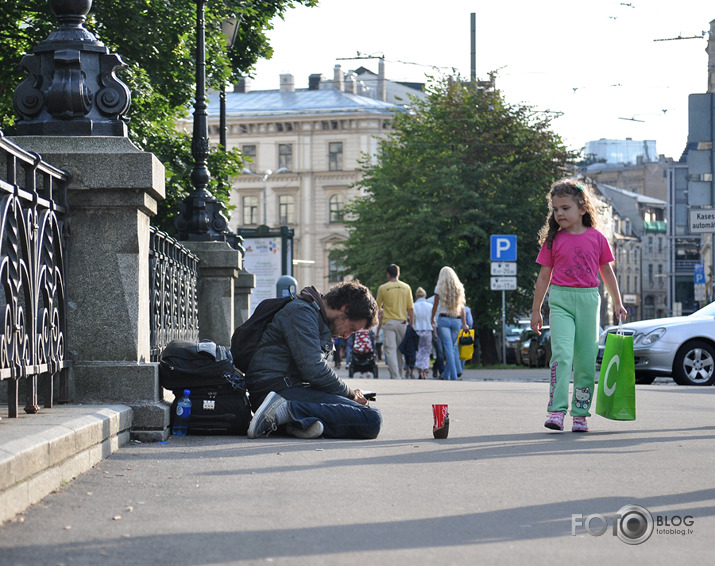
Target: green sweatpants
574 317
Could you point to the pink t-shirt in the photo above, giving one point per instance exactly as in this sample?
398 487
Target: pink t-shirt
576 258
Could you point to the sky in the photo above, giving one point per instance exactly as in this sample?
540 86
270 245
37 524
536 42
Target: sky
594 65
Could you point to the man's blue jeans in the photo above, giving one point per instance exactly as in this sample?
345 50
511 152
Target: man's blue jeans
448 330
341 417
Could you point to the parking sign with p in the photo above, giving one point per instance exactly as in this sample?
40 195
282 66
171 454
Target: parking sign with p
503 247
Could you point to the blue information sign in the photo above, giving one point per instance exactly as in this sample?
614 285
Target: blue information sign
699 273
503 248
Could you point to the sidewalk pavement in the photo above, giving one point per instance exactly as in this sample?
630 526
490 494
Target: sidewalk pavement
501 489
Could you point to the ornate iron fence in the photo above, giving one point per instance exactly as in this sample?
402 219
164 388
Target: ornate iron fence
173 280
33 239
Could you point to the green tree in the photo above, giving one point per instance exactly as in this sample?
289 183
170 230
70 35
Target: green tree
463 165
157 41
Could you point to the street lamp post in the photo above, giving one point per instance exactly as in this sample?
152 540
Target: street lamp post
201 214
266 175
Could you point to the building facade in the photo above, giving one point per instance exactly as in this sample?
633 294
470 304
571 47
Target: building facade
628 151
640 244
305 148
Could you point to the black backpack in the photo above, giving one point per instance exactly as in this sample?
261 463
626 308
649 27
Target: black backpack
246 337
184 365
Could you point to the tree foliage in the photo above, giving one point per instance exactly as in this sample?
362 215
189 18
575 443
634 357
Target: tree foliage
157 41
462 166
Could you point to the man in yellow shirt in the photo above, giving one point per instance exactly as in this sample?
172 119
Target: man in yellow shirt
394 299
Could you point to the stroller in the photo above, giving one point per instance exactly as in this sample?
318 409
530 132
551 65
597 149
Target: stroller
362 356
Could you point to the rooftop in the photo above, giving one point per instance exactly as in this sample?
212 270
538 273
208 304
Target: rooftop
297 102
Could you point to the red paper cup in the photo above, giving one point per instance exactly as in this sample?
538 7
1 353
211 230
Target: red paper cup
440 428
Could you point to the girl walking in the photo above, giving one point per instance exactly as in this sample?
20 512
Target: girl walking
572 254
449 305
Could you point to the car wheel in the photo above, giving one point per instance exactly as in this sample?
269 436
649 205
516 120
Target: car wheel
694 364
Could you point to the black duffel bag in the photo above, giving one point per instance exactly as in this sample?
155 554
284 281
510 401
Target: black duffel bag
219 400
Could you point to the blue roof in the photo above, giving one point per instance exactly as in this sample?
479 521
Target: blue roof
301 101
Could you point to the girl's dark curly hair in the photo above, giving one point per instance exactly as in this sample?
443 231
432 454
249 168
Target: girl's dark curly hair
582 196
361 305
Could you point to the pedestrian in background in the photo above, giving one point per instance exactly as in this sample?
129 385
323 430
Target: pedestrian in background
394 298
448 309
470 322
423 327
378 341
573 253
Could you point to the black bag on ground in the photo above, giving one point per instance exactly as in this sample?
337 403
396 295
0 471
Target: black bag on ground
184 365
219 401
217 409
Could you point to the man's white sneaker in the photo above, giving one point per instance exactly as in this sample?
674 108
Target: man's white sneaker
314 430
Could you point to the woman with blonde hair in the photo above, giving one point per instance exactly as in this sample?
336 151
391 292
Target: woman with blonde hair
449 306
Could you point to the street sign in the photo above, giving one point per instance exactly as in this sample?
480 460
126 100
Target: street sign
503 248
702 220
503 283
699 273
700 292
503 268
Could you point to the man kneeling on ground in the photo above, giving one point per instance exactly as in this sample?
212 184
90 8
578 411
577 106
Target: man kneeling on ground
289 378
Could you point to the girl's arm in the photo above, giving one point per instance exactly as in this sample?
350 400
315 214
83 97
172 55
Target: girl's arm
611 283
542 284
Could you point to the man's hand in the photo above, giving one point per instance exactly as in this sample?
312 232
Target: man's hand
359 397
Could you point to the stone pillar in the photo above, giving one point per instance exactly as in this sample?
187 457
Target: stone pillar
243 288
112 195
219 268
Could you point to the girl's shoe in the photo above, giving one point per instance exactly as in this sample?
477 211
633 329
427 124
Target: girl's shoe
579 424
555 421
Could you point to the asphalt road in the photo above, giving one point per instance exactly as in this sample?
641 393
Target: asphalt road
501 489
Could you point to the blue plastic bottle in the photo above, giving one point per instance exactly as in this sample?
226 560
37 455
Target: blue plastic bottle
183 411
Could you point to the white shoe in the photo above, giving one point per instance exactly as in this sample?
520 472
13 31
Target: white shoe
313 431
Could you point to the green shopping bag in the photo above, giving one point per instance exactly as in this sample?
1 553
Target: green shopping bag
616 398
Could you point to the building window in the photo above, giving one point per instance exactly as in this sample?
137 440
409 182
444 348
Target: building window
250 211
285 156
249 151
335 156
335 270
336 203
286 209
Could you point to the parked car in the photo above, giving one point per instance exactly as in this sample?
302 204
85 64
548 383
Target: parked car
529 355
513 332
682 347
540 349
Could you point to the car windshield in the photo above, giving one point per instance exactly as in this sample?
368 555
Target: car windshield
707 310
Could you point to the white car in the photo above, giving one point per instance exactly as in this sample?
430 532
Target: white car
682 347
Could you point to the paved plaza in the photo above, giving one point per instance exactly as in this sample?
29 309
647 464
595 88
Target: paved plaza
501 489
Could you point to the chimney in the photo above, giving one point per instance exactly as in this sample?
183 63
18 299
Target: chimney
338 78
314 81
381 83
243 85
287 83
351 82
